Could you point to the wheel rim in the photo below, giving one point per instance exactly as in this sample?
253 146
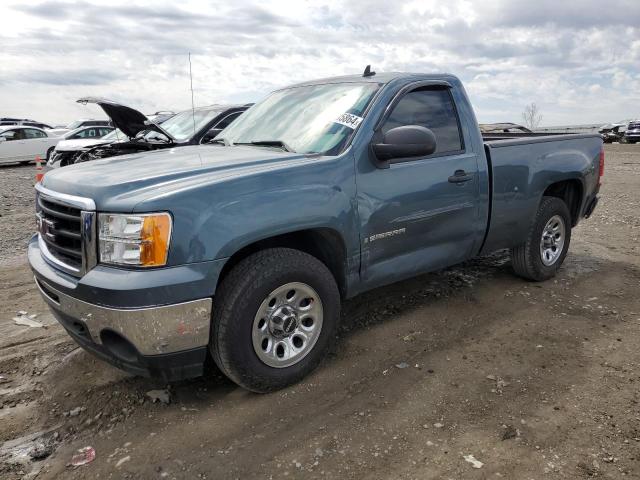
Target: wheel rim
552 241
287 325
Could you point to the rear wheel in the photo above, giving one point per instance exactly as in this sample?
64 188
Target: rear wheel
275 315
541 256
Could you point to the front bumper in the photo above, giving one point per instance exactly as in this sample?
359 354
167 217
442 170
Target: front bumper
155 333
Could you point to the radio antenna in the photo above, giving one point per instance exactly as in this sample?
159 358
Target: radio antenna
193 108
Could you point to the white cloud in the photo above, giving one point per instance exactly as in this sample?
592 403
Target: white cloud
579 61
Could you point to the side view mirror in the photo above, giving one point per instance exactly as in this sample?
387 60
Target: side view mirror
210 135
404 142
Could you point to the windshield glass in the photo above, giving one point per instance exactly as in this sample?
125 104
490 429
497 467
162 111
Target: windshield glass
180 126
309 119
71 133
74 125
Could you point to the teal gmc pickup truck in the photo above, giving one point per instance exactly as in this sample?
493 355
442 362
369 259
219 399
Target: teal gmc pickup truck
243 249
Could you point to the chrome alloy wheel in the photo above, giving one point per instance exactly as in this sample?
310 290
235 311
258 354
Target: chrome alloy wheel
552 241
287 325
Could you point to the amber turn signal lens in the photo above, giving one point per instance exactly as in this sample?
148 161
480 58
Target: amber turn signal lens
154 237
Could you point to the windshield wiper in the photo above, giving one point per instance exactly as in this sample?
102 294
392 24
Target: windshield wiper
269 143
221 141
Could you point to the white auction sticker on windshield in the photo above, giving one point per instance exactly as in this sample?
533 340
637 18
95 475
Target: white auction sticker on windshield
349 120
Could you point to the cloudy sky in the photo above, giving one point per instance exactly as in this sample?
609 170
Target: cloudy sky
578 60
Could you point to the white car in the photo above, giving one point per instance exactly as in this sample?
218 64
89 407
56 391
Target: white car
87 122
23 144
85 133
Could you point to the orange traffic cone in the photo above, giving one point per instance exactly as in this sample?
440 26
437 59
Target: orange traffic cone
39 172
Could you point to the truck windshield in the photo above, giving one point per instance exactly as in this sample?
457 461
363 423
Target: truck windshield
308 119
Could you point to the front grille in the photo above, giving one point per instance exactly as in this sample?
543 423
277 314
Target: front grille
61 231
66 230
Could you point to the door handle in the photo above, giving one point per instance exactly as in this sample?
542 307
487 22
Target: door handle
460 176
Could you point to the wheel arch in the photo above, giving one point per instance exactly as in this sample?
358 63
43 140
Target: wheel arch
325 244
570 191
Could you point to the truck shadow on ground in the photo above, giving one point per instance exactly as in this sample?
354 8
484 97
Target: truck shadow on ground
364 311
385 304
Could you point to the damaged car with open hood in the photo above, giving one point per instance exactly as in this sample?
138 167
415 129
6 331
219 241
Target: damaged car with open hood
136 133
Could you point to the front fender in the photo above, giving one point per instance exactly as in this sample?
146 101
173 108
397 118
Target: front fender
215 220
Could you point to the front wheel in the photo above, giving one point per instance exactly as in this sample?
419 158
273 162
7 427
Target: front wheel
275 315
541 256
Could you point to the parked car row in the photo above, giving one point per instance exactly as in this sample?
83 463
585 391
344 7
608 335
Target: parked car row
632 135
22 140
136 133
622 132
22 121
20 143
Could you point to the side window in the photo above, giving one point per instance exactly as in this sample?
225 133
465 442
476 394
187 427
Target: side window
104 131
431 108
226 121
11 135
86 133
30 133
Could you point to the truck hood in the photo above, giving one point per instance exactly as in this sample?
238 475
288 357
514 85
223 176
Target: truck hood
120 183
129 120
77 144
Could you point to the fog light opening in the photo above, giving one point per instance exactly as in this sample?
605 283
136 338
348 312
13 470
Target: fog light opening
118 346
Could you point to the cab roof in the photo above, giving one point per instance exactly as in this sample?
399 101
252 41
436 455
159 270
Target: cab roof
380 78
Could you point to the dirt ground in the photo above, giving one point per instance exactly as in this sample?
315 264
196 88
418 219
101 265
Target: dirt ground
427 376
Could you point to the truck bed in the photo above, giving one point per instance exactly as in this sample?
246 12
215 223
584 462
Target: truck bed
519 171
493 136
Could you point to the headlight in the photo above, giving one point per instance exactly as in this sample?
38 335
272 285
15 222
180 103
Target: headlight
141 240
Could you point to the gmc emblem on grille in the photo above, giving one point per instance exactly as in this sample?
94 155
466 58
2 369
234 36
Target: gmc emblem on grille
46 227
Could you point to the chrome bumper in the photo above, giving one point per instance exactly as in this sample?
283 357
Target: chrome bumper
152 330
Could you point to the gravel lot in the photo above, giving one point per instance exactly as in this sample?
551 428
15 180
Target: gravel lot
427 378
17 220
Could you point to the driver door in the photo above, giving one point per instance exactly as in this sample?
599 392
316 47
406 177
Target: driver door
419 214
35 144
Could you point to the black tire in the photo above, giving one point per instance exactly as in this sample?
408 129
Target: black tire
237 301
526 259
49 152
